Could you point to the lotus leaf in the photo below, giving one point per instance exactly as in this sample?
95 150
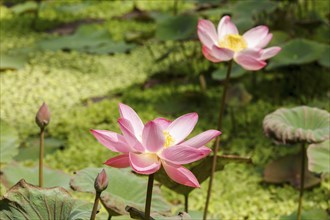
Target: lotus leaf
319 157
325 57
308 215
136 214
287 169
26 201
299 124
26 7
87 39
201 170
181 27
253 7
124 189
9 142
12 62
14 172
298 52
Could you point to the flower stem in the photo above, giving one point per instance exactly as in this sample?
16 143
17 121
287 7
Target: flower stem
95 206
149 196
186 204
217 141
302 180
41 157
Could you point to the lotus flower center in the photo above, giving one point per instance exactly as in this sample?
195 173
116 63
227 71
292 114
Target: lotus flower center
169 140
234 42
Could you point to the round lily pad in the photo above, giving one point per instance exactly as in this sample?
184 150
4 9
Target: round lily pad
299 124
9 142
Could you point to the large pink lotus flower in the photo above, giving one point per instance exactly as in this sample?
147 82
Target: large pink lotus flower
226 44
159 142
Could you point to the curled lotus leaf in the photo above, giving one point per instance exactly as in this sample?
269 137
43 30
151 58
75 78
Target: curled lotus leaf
297 125
319 157
26 201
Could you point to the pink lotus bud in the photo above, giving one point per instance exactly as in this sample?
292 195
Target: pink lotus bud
43 116
101 181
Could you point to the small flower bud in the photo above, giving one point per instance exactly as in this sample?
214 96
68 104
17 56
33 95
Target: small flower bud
101 181
43 116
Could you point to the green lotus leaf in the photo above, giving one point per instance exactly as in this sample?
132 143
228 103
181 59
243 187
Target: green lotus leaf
200 169
238 96
299 124
279 37
298 52
236 72
13 172
26 7
26 201
12 62
325 57
253 7
136 214
319 157
318 214
288 169
9 142
125 188
181 27
30 148
87 39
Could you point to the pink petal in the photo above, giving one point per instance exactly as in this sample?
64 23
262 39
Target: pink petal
146 163
131 139
180 175
205 150
129 114
249 59
162 122
225 27
181 127
221 53
120 161
256 36
181 154
152 137
206 33
111 140
265 41
202 139
270 52
209 55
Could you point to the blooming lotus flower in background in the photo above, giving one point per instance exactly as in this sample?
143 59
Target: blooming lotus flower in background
226 44
159 142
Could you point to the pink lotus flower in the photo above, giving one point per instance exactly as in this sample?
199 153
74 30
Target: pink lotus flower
226 44
159 142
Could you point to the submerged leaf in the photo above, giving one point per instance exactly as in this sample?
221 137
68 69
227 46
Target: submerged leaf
9 142
26 201
201 170
124 189
288 169
319 157
299 124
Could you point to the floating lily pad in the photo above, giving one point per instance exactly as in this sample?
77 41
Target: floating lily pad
319 157
181 27
325 57
12 173
124 189
12 62
297 52
201 170
279 37
237 96
9 142
221 73
87 39
287 169
26 201
136 214
318 214
30 148
253 7
299 124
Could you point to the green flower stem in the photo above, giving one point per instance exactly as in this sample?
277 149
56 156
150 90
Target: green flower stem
217 141
302 180
149 196
41 157
95 206
186 204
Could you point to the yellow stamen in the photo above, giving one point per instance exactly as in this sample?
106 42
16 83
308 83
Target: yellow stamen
233 42
169 141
